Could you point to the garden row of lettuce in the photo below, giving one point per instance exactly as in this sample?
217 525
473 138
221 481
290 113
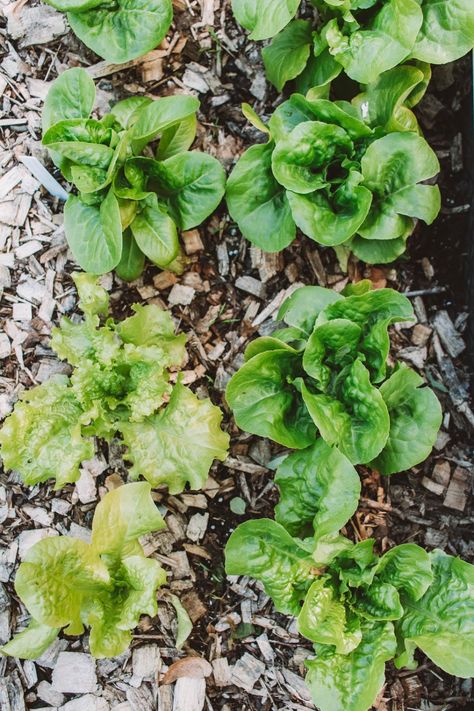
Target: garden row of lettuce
350 173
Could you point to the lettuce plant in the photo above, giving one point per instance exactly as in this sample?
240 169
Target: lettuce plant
364 38
329 169
359 609
106 584
120 30
326 375
120 386
129 206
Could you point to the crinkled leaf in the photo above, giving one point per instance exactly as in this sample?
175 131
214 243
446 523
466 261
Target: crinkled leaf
380 601
178 445
54 578
258 203
265 403
318 486
112 616
339 682
42 437
356 420
408 568
415 418
323 619
332 344
265 551
93 298
151 326
441 623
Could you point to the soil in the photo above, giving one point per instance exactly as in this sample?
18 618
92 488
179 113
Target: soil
395 509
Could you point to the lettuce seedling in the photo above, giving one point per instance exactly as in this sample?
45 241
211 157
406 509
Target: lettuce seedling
107 584
363 38
359 609
336 171
120 386
129 206
326 375
121 30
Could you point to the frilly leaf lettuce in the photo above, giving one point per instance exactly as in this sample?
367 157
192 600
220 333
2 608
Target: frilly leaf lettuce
330 170
119 384
121 31
327 374
178 445
106 585
364 39
43 436
358 608
128 206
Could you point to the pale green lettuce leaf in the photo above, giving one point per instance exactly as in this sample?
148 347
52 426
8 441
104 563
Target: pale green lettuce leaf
447 32
178 445
408 568
303 307
93 298
31 642
56 576
43 438
122 516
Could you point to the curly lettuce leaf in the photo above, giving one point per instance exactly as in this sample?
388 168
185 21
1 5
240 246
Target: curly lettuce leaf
408 568
93 298
112 617
339 682
265 550
151 326
265 403
415 418
178 445
43 437
441 622
56 576
318 486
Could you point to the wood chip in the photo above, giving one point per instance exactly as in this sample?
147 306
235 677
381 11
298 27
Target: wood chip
74 673
182 295
448 335
456 495
189 694
247 671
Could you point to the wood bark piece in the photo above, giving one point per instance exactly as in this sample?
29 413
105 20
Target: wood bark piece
448 335
189 694
74 673
456 495
11 693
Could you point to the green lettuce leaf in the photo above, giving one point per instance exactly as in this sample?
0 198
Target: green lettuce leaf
265 403
441 622
42 438
447 32
265 550
339 682
178 445
415 418
287 55
31 642
318 486
264 18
